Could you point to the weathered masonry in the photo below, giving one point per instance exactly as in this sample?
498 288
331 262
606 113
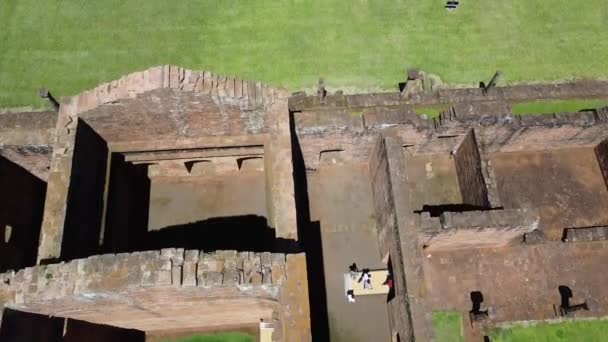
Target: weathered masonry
173 201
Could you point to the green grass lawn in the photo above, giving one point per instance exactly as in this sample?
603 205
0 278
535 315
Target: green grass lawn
542 107
587 331
431 111
221 337
448 326
73 45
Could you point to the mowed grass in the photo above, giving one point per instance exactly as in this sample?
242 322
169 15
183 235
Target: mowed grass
220 337
448 326
587 331
542 107
72 45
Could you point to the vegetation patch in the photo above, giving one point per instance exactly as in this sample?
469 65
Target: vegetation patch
555 106
588 331
448 326
220 337
431 111
70 46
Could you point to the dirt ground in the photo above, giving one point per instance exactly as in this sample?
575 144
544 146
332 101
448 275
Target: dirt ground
519 282
341 199
565 185
433 180
184 200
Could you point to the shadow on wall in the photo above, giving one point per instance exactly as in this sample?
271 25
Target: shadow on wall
22 198
126 224
241 233
85 195
437 210
309 236
19 326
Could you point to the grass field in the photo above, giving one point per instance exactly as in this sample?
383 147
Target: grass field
448 326
73 45
587 331
541 107
221 337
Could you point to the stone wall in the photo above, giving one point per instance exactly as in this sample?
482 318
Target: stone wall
173 77
476 229
583 234
470 176
164 114
389 242
388 236
275 276
601 151
351 147
260 109
518 93
21 209
27 140
508 133
398 238
35 128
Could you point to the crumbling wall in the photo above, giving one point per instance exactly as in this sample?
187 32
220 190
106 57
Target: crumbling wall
508 133
174 77
476 229
398 239
121 279
388 235
470 176
254 104
112 272
585 234
21 208
601 151
389 241
518 93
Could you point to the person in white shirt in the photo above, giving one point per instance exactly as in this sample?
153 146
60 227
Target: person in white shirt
350 294
366 278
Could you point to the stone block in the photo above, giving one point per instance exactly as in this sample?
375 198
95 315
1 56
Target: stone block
229 87
209 262
191 256
221 86
277 274
167 253
206 88
176 275
267 276
164 277
534 237
230 258
231 277
238 88
189 274
278 259
255 278
266 259
210 279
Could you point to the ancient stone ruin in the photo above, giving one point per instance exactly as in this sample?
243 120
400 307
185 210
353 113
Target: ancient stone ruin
172 202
